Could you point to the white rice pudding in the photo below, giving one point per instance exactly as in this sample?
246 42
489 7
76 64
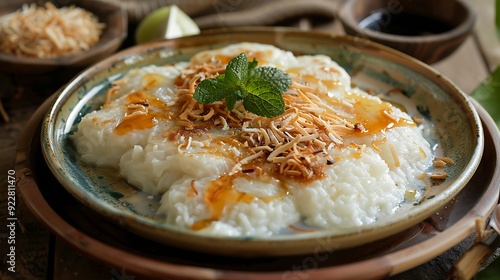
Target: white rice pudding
337 158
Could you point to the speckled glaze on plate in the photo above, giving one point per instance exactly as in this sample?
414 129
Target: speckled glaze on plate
458 133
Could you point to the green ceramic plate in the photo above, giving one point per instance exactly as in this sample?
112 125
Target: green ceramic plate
458 133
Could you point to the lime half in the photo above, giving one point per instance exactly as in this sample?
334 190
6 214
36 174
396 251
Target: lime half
165 23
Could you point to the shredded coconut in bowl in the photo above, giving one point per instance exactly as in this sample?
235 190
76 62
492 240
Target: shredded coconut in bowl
48 32
338 157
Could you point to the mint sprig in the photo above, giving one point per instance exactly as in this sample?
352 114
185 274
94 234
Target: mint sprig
260 88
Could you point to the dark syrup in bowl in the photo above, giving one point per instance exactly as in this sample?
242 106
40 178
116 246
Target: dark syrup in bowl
404 24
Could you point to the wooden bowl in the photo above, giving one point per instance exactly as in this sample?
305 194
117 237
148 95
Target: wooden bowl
442 25
111 39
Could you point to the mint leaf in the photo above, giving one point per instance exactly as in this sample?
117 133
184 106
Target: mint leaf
252 65
231 100
277 77
260 88
263 98
211 90
237 70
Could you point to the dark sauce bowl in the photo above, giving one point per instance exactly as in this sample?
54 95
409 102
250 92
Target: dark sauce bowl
428 30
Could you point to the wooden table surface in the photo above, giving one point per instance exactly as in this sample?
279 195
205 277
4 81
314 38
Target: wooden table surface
41 255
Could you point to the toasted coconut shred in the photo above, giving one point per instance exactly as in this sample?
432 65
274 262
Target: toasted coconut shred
47 32
296 142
